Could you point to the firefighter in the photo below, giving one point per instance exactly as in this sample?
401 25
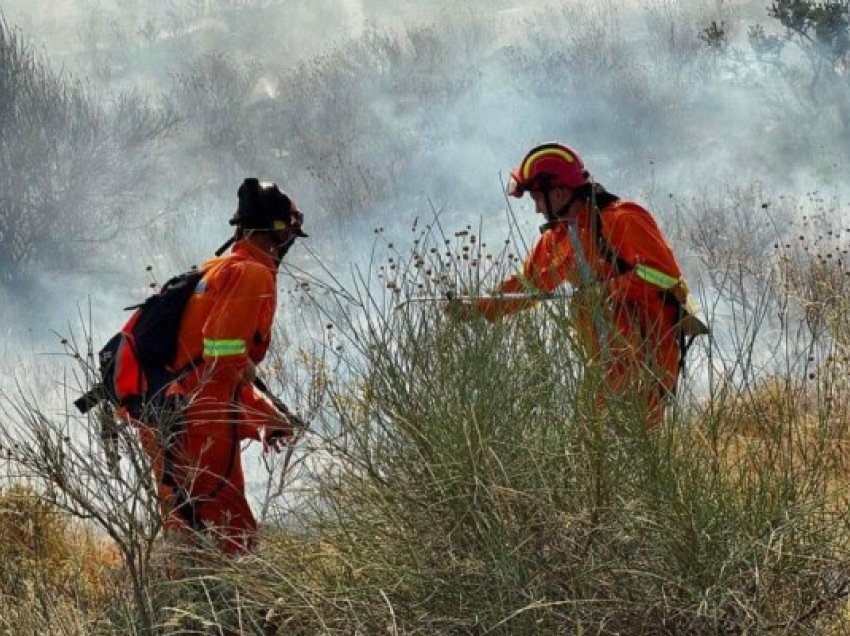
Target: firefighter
224 333
632 308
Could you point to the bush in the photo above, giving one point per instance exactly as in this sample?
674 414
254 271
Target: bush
48 134
359 122
472 483
480 488
212 97
63 174
814 69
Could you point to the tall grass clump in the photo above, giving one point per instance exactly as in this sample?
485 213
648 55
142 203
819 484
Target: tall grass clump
56 576
90 470
474 483
92 473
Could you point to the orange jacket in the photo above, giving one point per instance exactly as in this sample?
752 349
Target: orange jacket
226 327
637 330
227 322
630 232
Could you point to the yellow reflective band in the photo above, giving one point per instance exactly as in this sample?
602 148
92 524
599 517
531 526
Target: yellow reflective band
560 152
279 225
655 277
221 348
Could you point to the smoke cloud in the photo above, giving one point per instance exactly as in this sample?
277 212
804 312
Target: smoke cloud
374 114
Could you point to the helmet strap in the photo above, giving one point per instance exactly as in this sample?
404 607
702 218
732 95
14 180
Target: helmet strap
548 201
281 245
281 250
553 219
565 209
227 244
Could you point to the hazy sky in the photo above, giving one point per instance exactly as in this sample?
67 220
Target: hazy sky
374 113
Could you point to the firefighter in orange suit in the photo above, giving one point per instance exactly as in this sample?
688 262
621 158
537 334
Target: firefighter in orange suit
632 307
224 333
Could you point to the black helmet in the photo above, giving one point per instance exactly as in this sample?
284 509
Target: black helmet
262 206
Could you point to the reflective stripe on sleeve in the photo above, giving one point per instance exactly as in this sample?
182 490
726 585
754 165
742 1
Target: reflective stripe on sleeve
655 277
221 348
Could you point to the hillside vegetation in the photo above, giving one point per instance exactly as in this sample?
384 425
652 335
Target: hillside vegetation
458 478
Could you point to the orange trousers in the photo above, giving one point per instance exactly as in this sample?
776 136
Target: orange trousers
198 468
638 357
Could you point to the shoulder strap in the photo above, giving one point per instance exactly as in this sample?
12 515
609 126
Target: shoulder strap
620 265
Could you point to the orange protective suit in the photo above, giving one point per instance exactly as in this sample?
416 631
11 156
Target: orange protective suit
633 333
225 330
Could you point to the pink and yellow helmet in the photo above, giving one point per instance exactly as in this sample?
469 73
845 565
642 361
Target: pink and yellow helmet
547 166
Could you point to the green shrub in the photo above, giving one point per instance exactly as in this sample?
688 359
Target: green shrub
472 484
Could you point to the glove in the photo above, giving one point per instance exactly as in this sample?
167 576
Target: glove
277 434
275 440
461 310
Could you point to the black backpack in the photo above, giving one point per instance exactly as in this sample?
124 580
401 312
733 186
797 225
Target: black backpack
135 364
